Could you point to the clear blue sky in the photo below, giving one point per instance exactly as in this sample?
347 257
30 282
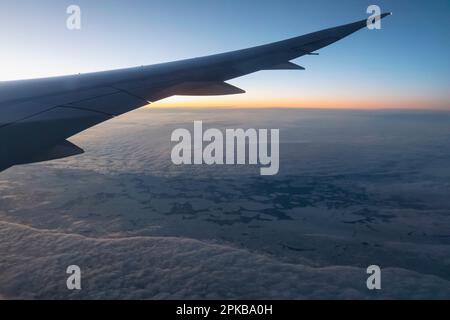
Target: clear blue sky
404 64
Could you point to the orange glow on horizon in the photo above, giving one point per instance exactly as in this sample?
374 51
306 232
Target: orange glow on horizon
238 103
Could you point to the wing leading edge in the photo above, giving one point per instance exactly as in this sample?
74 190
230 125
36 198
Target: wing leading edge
37 116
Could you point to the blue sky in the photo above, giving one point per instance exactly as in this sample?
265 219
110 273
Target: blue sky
405 64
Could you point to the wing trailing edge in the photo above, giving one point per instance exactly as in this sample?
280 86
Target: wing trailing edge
206 89
286 66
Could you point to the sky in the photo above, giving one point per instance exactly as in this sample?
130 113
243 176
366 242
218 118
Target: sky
403 65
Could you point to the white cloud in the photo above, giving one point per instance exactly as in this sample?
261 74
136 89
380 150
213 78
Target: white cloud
34 263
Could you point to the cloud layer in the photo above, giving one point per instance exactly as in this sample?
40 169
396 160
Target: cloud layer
161 268
140 227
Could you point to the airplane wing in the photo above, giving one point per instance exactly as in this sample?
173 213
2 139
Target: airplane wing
37 116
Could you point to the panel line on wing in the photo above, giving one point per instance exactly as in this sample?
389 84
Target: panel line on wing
86 109
131 94
53 106
28 117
